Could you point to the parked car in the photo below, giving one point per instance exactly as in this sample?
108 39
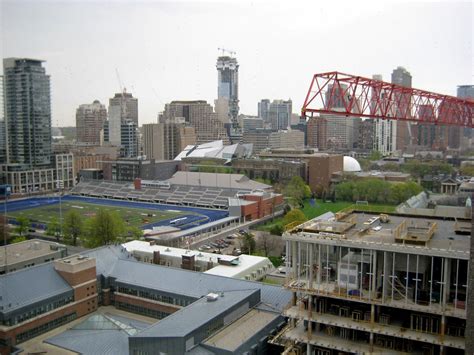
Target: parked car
236 252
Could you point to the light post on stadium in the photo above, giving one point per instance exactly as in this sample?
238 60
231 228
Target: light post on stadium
60 187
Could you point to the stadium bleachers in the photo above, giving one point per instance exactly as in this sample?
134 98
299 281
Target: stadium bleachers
183 195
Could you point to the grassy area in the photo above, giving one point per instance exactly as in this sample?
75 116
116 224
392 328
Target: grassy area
134 216
322 207
272 282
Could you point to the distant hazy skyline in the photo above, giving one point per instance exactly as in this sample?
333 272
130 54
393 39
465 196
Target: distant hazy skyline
167 51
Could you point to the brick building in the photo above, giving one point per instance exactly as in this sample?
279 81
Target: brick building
35 301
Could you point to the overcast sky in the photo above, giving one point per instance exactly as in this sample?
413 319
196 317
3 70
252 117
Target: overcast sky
167 51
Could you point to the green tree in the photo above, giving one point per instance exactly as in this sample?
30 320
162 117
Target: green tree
377 191
390 167
375 155
297 191
276 229
17 240
418 168
23 226
105 228
467 170
133 233
73 226
295 215
249 244
53 229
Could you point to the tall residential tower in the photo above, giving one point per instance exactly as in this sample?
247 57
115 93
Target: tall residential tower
402 77
122 126
227 103
90 120
385 135
27 112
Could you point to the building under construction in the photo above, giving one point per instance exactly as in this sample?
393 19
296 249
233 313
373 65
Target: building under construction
368 283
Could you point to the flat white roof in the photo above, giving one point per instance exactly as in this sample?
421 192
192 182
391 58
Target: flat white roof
248 264
243 263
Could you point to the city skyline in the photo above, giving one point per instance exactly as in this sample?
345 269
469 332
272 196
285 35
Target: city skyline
163 52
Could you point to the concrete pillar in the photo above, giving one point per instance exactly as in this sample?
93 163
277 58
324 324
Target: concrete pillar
294 260
310 263
310 316
372 324
308 349
447 281
442 332
373 291
469 335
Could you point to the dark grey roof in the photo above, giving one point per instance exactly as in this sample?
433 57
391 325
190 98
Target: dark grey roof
98 334
199 350
91 342
186 320
30 285
106 258
193 284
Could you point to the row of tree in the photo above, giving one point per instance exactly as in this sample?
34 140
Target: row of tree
377 191
106 227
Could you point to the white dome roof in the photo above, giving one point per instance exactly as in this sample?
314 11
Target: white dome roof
351 165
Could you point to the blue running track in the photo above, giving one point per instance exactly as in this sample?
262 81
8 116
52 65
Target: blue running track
204 215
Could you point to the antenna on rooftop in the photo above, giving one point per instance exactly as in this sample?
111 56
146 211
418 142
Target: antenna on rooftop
224 50
122 89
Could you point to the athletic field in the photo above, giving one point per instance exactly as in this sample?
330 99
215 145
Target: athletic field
40 211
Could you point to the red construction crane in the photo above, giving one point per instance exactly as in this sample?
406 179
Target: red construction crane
344 94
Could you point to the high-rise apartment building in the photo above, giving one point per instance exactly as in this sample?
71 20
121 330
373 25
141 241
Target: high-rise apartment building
165 140
199 115
3 138
249 123
30 165
316 133
276 113
340 132
90 120
259 138
385 130
153 142
279 114
227 103
401 76
291 139
129 138
263 109
122 125
27 112
466 91
365 135
122 107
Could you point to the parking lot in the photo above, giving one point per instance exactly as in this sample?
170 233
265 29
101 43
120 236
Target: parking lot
229 244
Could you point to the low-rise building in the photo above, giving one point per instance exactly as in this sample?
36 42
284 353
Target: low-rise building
29 253
40 180
131 169
195 312
245 267
320 166
276 170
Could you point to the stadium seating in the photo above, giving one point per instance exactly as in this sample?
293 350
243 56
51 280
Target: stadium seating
199 196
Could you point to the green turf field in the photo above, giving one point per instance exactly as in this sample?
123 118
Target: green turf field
136 217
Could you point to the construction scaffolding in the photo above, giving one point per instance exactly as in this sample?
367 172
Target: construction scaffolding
349 287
